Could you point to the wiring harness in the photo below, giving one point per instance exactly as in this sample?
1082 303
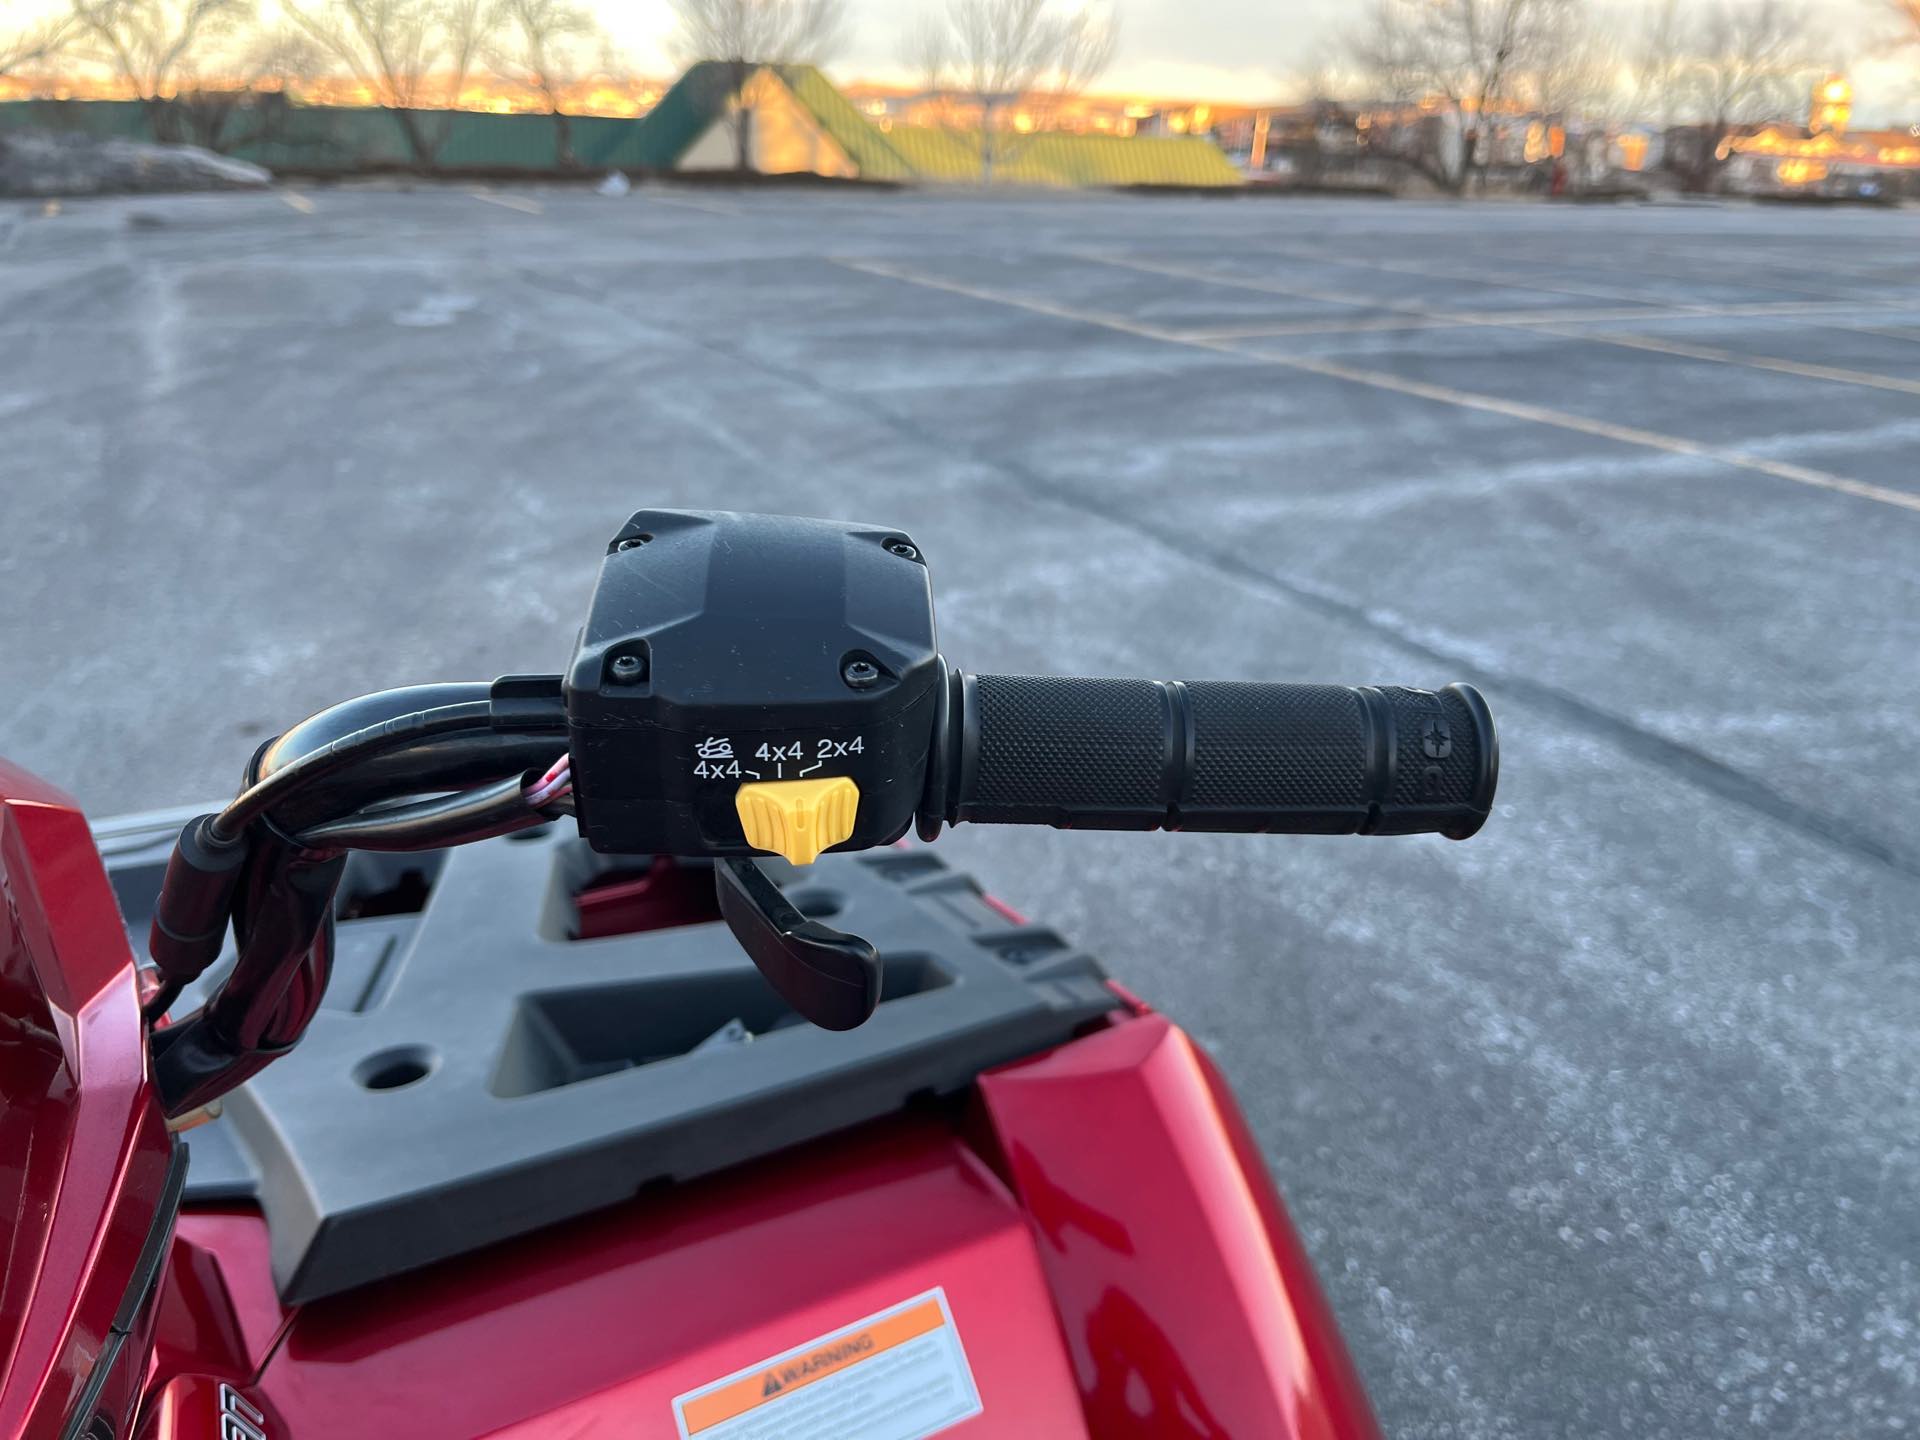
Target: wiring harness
411 769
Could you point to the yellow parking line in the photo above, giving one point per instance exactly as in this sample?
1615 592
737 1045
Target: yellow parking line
1444 394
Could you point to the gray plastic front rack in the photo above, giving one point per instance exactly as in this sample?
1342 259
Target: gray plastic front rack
477 1074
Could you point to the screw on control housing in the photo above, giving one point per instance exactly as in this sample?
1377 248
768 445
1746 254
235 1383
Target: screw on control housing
628 669
747 625
902 549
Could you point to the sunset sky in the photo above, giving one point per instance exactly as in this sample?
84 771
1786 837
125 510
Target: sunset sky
1249 50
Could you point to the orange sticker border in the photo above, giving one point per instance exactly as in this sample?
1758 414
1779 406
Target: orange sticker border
834 1353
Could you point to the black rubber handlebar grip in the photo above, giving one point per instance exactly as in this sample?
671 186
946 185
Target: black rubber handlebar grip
1218 755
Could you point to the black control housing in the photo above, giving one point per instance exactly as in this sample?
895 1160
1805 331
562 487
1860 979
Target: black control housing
722 648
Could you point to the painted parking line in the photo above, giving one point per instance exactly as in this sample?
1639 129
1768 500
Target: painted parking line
1552 323
1632 435
1825 260
1909 333
1444 394
709 207
1813 295
1637 266
1838 373
294 200
511 202
1636 306
1465 276
1179 271
1463 319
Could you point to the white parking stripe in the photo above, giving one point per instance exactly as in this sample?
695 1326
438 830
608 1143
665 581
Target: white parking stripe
1632 435
1457 319
1469 277
511 202
709 207
1444 394
1870 378
1548 323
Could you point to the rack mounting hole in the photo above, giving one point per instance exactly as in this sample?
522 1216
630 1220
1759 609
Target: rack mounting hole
395 1068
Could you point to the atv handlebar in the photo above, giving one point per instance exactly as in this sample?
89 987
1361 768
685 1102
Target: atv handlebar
1217 755
747 685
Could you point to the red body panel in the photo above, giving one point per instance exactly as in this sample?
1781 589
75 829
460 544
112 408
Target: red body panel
1115 1260
217 1313
1189 1305
1138 1278
83 1151
593 1328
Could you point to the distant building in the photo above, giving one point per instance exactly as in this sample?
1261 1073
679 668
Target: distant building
1035 112
1824 158
797 122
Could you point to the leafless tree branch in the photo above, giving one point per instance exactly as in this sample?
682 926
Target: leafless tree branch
763 32
34 43
1468 59
994 53
409 54
749 33
152 45
537 44
1724 64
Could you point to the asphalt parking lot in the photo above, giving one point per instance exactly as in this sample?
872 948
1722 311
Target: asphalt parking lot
1601 1124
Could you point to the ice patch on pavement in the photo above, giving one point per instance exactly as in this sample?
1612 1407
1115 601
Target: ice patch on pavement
432 311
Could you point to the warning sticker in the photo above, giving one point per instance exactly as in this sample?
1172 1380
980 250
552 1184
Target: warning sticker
898 1375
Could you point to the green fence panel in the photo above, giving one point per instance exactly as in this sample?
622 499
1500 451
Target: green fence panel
288 136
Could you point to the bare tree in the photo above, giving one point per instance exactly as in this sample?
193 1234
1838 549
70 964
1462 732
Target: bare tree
1732 63
34 43
249 103
1573 67
152 46
410 54
1657 57
994 53
1467 59
537 45
747 34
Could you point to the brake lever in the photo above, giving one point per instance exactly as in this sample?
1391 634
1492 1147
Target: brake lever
827 976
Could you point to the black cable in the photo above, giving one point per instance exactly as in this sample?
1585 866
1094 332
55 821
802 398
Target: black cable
350 749
476 814
436 766
162 1000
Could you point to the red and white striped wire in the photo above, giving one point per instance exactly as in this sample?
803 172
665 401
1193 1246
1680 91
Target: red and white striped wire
556 784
